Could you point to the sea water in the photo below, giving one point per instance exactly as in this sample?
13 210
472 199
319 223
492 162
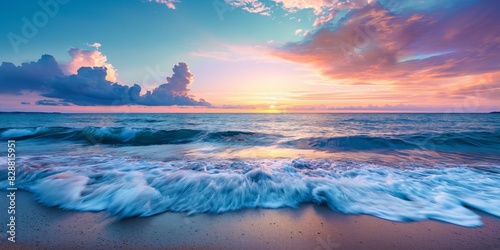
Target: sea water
400 167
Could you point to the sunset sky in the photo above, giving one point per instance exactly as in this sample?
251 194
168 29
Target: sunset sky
250 56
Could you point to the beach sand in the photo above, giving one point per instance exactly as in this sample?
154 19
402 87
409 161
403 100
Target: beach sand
306 227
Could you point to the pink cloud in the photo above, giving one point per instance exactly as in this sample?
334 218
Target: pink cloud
252 6
323 19
484 86
168 3
95 45
320 6
90 58
375 44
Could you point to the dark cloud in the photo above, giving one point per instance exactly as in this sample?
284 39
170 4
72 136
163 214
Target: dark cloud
25 103
30 76
51 103
89 87
175 91
178 83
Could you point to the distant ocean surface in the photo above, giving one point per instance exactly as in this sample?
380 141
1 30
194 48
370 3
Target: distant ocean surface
400 167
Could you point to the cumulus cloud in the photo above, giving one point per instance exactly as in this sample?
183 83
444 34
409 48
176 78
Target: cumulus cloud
178 83
90 58
89 87
373 43
175 91
30 76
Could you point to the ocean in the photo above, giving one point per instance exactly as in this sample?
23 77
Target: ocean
399 167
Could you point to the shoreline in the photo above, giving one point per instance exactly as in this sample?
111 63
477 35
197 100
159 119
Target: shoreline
306 227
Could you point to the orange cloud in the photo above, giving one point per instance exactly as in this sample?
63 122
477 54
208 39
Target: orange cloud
90 58
374 44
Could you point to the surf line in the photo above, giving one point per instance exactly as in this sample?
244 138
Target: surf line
11 189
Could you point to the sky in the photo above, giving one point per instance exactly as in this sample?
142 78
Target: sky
272 56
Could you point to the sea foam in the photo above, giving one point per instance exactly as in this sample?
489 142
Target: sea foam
126 187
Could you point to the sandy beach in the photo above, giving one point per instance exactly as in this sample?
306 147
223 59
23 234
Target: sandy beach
307 227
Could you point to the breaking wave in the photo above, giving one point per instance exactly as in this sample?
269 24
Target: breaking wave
126 187
482 142
488 142
130 136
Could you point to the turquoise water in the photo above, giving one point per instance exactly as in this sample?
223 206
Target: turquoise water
401 167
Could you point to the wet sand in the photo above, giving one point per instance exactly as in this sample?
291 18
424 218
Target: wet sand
306 227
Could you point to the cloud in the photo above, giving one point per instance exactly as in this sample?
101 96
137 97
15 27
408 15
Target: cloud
178 83
95 45
175 91
485 86
324 19
320 6
30 76
298 31
25 103
90 58
372 43
168 3
252 6
51 103
89 87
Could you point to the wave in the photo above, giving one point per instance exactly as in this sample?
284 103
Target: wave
358 142
460 142
138 120
127 188
488 142
241 137
134 137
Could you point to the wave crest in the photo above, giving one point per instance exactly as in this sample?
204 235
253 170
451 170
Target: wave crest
130 136
130 188
459 142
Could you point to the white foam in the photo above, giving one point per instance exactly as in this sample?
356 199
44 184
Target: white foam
15 132
134 188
